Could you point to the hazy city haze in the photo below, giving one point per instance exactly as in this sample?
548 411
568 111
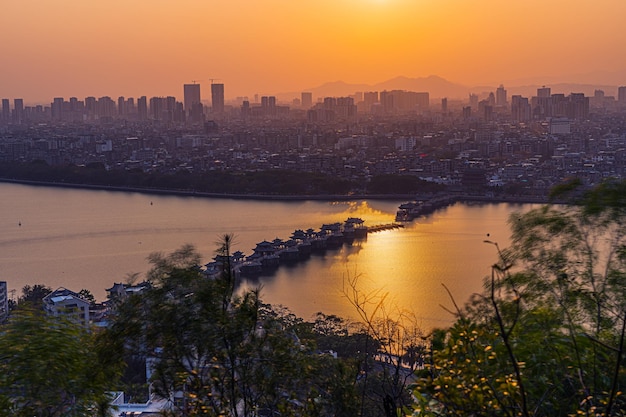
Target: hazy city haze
140 47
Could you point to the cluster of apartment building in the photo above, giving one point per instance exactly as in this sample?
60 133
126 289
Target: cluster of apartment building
192 110
165 109
70 305
530 143
66 303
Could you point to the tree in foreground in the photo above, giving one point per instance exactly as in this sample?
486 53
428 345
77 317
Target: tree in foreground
393 350
213 351
34 295
546 337
51 367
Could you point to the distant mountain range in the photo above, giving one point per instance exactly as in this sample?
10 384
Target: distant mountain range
436 86
439 87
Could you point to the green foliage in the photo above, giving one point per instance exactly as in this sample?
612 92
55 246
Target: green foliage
33 296
546 338
216 352
467 375
565 189
50 367
86 295
401 184
270 182
393 349
608 199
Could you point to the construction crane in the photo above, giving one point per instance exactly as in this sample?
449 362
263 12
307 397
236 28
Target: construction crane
214 79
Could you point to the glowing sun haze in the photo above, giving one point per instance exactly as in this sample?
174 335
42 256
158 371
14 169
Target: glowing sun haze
151 47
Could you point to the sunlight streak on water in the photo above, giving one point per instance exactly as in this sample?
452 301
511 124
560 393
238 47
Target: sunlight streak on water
91 239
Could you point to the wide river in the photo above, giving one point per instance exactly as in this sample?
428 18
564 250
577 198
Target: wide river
90 239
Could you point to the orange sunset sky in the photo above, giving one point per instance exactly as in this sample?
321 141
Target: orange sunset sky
152 47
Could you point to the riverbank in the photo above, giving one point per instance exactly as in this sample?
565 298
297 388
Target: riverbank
189 193
463 197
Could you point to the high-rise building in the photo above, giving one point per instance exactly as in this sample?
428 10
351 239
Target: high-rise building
164 108
57 108
542 104
157 105
520 109
369 99
170 108
178 115
621 95
121 106
579 106
560 126
400 101
485 109
271 103
444 105
142 108
345 109
245 110
6 110
129 106
501 96
268 106
18 110
76 107
599 99
387 101
191 98
306 100
544 92
421 99
473 100
91 105
217 98
106 107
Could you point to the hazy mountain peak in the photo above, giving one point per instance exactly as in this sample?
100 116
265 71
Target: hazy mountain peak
439 87
435 85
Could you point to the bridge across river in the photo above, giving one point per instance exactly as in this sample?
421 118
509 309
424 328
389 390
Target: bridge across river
269 255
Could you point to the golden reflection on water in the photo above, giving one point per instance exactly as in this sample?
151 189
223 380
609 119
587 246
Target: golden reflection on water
409 265
91 239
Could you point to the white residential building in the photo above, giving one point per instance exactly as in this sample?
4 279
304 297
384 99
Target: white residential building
63 302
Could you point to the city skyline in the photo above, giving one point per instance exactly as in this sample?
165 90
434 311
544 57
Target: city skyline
80 49
194 102
488 106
